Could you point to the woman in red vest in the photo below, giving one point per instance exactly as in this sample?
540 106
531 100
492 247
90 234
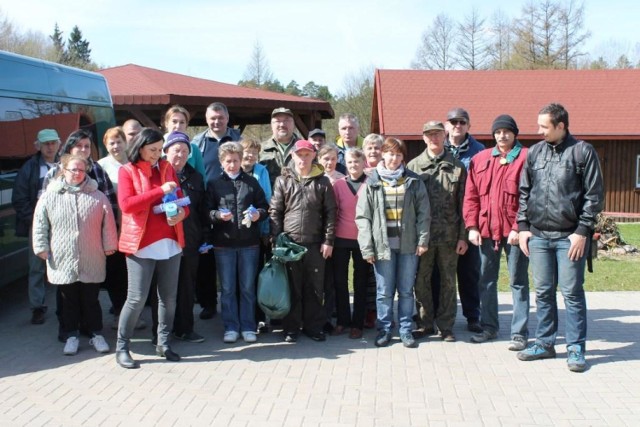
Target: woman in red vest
153 242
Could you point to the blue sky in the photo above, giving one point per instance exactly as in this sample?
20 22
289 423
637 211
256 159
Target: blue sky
303 40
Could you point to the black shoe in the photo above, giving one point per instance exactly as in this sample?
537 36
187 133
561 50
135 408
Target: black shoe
168 354
208 313
37 316
328 328
290 337
189 337
474 326
124 360
383 339
422 333
154 340
62 335
263 328
316 336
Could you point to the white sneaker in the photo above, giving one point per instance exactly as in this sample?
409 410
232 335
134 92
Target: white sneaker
141 324
249 336
98 342
230 337
71 346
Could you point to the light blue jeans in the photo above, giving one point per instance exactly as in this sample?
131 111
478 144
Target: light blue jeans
552 269
237 269
517 263
397 274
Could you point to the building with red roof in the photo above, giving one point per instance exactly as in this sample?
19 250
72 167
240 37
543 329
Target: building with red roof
603 105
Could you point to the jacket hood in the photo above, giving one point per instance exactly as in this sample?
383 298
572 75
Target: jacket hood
316 171
58 185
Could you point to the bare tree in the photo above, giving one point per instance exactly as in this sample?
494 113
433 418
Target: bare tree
573 36
537 36
501 40
471 46
258 74
435 50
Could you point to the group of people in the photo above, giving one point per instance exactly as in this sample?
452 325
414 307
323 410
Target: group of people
164 216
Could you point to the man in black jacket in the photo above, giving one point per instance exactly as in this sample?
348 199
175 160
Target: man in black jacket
26 192
561 193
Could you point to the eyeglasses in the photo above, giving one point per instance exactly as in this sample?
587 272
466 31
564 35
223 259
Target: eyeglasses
76 171
456 122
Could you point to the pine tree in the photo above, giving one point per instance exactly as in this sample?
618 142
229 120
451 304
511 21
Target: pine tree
59 45
78 52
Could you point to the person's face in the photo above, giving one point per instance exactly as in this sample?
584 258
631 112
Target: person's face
75 172
231 164
328 161
392 159
551 133
176 122
318 141
282 127
504 139
131 130
151 152
457 128
49 149
82 148
372 153
348 131
249 158
303 160
355 166
177 155
116 147
217 121
435 141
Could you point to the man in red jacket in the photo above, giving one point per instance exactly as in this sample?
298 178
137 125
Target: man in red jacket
490 208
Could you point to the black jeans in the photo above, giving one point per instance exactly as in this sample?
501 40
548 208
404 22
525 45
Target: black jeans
207 281
80 304
116 280
341 256
183 321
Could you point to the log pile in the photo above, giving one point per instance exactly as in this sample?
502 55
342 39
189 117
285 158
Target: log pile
609 238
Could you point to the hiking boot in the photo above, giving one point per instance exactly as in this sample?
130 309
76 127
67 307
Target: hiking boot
536 351
382 339
575 359
483 336
408 341
517 343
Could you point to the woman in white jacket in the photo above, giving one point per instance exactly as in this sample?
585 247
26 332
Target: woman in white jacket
74 231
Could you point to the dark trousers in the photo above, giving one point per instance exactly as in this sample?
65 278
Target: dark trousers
341 257
183 321
263 258
306 282
80 304
116 280
207 281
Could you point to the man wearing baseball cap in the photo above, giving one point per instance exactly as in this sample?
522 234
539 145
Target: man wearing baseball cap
26 192
276 151
303 206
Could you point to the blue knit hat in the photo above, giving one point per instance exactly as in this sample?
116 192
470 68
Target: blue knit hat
175 137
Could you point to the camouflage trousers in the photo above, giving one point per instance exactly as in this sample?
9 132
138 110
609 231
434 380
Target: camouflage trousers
445 257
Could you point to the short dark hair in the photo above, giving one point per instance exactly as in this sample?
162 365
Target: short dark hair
557 113
75 137
218 106
394 144
145 137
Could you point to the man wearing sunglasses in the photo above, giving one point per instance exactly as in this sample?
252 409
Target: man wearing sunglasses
463 147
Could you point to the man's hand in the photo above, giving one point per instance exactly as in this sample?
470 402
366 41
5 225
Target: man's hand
370 259
578 243
513 238
421 250
474 236
523 240
461 247
326 251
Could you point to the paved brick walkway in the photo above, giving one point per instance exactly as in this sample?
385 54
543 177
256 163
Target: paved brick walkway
338 383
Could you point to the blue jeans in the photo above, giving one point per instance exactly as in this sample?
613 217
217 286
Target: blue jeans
517 263
397 274
237 269
552 268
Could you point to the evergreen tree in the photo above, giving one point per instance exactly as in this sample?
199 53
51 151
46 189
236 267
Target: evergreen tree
58 45
78 52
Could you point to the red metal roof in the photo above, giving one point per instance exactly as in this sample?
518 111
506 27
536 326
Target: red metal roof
602 104
133 84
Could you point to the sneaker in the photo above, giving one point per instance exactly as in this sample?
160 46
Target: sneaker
290 337
71 346
230 337
517 343
316 336
140 324
474 326
207 313
447 336
483 337
249 337
189 337
408 341
263 328
383 339
536 351
37 316
98 342
575 359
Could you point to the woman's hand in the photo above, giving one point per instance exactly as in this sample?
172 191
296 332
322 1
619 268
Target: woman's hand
43 255
168 187
107 253
370 259
173 220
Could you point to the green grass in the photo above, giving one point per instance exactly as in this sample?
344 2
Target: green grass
610 273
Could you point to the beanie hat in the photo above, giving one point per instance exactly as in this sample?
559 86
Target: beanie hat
504 121
175 137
